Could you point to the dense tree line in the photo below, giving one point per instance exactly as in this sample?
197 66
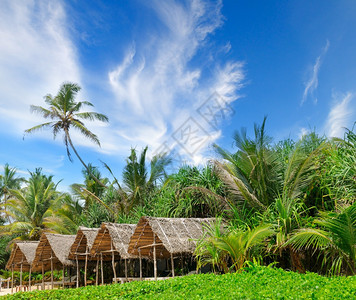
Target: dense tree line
290 203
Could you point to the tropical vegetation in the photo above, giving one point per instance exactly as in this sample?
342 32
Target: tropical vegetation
287 203
254 283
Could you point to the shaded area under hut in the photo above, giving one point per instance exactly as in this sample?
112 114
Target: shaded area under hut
52 254
111 244
80 250
166 238
21 259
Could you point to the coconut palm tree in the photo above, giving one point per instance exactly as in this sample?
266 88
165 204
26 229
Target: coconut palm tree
252 172
8 181
335 237
65 113
30 206
239 246
139 178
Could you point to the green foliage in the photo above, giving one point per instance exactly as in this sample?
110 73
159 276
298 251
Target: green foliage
338 175
30 206
256 283
336 238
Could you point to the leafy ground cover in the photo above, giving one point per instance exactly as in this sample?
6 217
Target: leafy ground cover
256 283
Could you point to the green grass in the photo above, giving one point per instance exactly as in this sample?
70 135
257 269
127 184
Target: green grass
258 283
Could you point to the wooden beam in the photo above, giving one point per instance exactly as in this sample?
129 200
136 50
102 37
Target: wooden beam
113 261
21 277
78 274
43 286
154 257
102 269
12 278
97 271
172 264
151 245
29 279
125 268
52 283
139 252
85 270
63 277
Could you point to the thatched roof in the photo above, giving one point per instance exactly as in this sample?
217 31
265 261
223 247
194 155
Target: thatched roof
173 235
112 236
22 253
83 242
55 246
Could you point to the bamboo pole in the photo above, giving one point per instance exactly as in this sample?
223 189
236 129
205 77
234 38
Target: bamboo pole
29 279
182 264
43 286
101 268
52 283
125 268
21 276
154 256
85 269
113 261
76 259
63 277
97 271
12 278
139 252
172 263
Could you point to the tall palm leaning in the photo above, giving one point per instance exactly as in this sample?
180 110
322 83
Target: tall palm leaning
64 113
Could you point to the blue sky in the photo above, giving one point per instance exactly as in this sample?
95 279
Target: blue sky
173 75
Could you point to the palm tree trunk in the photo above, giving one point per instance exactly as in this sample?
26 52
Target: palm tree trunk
86 167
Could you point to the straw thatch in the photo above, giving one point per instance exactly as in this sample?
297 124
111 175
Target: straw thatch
83 243
172 236
22 253
113 238
53 247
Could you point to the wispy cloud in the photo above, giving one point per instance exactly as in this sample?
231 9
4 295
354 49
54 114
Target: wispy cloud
158 87
312 83
340 115
36 56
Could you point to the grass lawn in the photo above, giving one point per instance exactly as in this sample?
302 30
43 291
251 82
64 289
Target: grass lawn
257 283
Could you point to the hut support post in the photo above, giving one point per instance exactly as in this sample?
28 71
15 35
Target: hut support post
76 259
125 268
113 261
43 286
172 263
21 276
181 261
12 278
101 268
154 256
85 269
52 283
63 277
139 252
97 271
29 279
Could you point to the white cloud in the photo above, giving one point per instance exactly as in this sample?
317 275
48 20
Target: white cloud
340 115
36 56
156 86
312 83
302 132
162 79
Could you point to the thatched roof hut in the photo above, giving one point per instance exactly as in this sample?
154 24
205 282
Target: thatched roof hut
55 248
113 238
83 243
22 253
170 236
